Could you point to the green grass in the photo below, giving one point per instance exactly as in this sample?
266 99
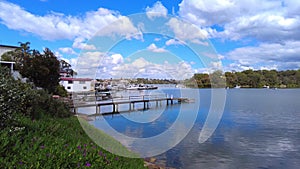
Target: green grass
61 143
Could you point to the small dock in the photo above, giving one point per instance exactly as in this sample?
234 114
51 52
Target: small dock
131 101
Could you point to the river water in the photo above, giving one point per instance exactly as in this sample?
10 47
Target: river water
260 128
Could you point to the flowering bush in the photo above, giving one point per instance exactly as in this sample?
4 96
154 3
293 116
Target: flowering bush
15 99
18 99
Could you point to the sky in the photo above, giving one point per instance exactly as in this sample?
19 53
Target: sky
158 39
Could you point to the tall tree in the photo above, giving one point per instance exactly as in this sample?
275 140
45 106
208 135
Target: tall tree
41 69
66 68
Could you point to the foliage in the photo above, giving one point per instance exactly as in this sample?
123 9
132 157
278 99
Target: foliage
66 67
61 91
56 143
42 69
45 105
249 78
8 56
19 99
15 99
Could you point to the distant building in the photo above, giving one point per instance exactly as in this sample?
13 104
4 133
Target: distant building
76 84
10 65
6 48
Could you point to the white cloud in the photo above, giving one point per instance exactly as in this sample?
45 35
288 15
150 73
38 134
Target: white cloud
123 27
213 55
92 64
174 42
268 21
263 26
56 26
157 39
153 48
67 50
58 54
79 44
117 58
143 68
281 56
275 25
186 31
158 10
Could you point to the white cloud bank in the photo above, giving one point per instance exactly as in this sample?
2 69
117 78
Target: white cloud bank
56 26
269 21
266 56
273 24
101 65
143 68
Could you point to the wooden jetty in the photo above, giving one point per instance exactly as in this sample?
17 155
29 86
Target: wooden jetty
131 100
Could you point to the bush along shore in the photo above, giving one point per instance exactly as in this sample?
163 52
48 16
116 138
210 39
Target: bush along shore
38 131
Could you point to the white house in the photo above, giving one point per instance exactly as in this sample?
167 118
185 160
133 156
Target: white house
10 65
6 48
76 84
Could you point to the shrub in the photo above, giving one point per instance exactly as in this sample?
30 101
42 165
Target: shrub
61 91
15 99
19 99
46 105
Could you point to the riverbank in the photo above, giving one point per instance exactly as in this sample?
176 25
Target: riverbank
58 143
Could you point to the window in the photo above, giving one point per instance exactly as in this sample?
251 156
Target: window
70 82
81 82
84 87
69 87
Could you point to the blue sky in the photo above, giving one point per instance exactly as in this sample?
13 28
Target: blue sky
252 34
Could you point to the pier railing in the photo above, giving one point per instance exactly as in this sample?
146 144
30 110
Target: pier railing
130 100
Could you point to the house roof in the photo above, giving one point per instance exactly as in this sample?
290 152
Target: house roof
74 79
7 62
8 46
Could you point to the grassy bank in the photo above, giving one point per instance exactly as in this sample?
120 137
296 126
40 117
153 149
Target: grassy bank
59 143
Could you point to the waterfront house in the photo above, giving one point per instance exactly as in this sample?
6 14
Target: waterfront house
6 48
76 84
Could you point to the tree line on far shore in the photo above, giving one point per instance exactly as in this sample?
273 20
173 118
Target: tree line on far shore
247 79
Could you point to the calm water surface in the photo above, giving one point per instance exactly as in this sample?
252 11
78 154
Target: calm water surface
260 128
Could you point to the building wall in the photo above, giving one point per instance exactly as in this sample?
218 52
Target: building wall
4 49
77 86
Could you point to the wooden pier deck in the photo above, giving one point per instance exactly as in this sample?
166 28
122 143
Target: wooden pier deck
132 100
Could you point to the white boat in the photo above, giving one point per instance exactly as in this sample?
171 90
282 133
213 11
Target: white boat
132 87
237 87
141 87
147 87
180 86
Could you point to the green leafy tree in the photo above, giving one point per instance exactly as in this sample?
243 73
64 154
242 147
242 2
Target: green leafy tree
242 79
202 80
8 56
217 79
231 79
254 79
271 78
67 68
297 77
42 69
